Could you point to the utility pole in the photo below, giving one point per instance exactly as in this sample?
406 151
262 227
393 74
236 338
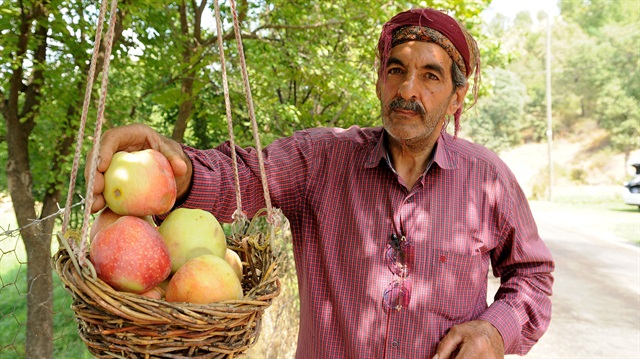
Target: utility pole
549 120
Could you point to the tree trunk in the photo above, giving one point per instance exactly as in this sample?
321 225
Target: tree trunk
185 109
39 342
19 111
19 119
186 89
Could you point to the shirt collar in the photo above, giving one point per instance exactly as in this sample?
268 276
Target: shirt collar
443 156
444 152
378 152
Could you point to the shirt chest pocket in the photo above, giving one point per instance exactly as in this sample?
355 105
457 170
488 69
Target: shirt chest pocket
455 285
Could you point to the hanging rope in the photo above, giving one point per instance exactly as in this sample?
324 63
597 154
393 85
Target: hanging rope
83 118
239 215
82 239
272 218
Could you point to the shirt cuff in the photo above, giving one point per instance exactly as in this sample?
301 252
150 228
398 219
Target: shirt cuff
502 316
201 192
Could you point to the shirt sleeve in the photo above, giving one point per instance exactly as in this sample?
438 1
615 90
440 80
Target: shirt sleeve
521 310
287 163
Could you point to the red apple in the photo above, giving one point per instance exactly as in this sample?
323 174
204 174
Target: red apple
130 255
202 280
139 183
106 217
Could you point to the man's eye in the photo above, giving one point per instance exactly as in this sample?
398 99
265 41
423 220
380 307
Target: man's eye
394 71
431 76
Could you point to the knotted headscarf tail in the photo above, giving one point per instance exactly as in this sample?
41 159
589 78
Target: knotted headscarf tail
430 25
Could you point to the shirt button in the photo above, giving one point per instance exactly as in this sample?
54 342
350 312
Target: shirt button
409 200
394 344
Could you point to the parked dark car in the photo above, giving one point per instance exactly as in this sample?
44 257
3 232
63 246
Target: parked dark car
631 191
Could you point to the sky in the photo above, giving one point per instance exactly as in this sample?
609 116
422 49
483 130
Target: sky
510 8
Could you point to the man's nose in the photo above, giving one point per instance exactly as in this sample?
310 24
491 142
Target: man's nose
409 87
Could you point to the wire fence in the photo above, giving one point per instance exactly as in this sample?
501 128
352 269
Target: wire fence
278 338
14 295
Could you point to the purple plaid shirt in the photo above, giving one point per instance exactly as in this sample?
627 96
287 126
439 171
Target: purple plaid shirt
344 200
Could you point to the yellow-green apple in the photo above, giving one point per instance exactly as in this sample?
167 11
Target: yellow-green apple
189 233
163 285
202 280
234 261
106 217
139 183
130 255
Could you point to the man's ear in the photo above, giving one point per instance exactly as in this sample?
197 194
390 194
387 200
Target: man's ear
457 100
378 89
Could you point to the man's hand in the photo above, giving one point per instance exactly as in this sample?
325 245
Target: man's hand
477 339
137 137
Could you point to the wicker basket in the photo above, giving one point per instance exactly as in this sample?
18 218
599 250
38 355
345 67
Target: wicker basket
117 324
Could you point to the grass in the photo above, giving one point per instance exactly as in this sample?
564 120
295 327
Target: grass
13 301
13 311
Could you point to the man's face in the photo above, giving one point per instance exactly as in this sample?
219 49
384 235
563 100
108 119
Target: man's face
418 91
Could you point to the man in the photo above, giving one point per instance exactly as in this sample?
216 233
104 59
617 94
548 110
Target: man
394 228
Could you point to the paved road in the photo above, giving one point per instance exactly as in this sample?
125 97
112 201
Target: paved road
596 301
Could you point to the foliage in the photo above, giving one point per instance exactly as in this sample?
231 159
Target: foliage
496 121
601 70
594 15
594 69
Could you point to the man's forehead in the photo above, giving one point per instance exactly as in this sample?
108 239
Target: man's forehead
420 53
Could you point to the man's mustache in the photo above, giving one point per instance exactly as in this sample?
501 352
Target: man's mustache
402 104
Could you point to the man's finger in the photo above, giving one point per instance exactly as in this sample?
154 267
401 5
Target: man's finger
98 203
129 138
448 346
174 154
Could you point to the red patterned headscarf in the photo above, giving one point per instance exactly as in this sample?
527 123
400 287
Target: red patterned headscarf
431 25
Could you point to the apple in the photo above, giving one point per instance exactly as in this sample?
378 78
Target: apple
139 183
154 293
163 285
189 233
203 280
106 217
130 255
234 261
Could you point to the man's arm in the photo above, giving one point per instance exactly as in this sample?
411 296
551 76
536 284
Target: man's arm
521 311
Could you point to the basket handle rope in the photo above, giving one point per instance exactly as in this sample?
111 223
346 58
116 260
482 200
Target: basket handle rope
238 216
274 217
79 246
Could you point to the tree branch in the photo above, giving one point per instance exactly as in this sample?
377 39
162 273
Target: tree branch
197 22
32 93
306 96
338 114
